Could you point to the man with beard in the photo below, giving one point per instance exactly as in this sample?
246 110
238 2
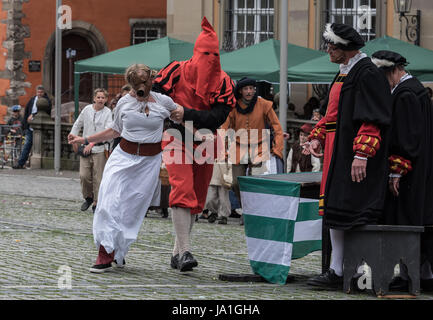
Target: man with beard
352 134
206 92
410 197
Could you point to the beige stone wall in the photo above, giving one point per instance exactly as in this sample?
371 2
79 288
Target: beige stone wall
426 41
426 7
298 34
184 18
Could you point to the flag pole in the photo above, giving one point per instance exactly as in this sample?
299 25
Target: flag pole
58 91
283 68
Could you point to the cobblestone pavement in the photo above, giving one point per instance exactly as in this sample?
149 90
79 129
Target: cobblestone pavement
44 235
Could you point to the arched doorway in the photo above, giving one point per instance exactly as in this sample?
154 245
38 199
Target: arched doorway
88 42
83 50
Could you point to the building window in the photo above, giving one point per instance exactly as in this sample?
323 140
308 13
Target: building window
143 30
247 22
360 14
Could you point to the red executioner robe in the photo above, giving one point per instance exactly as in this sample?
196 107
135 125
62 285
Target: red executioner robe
206 93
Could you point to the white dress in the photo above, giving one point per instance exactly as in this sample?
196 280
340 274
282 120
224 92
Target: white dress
130 183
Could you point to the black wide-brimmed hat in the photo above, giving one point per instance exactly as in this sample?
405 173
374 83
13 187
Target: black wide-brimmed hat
245 81
386 59
343 36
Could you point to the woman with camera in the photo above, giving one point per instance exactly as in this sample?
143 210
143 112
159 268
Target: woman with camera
130 182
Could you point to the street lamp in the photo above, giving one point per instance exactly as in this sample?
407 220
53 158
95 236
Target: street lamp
70 55
402 6
413 22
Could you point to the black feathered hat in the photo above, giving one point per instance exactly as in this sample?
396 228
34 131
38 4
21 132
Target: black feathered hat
343 36
387 60
245 81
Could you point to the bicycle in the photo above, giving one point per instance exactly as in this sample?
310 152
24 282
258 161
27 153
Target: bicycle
12 142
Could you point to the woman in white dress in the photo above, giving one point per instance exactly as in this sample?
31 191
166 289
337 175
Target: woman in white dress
130 182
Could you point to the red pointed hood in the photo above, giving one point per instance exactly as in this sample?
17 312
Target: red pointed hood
203 70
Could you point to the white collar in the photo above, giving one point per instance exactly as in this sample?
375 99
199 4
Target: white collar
405 77
345 68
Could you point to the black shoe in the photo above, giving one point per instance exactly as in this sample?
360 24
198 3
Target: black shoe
86 204
234 214
187 262
164 212
399 284
241 220
93 209
223 220
18 167
174 263
212 217
118 265
426 285
100 268
327 280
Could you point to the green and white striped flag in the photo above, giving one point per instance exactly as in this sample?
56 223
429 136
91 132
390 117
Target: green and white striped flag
279 226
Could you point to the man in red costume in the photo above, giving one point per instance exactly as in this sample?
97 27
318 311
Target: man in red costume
206 92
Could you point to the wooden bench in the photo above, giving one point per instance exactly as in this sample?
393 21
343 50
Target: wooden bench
382 247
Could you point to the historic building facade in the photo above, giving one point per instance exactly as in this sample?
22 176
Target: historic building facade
242 23
27 31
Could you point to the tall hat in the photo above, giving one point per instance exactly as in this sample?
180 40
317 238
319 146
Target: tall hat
386 60
243 83
204 69
343 36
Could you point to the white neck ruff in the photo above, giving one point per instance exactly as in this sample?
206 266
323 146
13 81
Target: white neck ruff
345 68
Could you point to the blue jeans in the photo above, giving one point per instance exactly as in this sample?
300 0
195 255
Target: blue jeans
27 147
280 165
234 200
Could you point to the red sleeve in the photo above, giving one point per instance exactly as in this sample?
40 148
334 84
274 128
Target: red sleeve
399 165
225 93
167 77
367 142
319 131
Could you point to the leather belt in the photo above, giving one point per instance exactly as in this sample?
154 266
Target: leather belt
140 149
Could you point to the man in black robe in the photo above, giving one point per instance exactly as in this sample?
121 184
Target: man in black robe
351 134
410 197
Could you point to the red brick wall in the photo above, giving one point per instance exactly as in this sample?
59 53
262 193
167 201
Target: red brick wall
110 17
4 84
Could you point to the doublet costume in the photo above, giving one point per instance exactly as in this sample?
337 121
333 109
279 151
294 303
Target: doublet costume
355 123
410 156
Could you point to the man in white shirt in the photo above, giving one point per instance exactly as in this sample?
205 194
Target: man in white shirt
93 118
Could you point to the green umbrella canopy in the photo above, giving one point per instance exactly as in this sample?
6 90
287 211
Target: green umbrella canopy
262 61
156 54
322 70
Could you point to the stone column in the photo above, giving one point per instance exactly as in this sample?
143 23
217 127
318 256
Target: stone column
41 123
16 32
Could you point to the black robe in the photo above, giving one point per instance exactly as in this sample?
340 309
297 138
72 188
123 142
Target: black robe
411 138
365 98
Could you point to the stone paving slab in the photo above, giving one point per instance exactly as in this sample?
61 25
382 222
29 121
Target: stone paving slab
44 235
